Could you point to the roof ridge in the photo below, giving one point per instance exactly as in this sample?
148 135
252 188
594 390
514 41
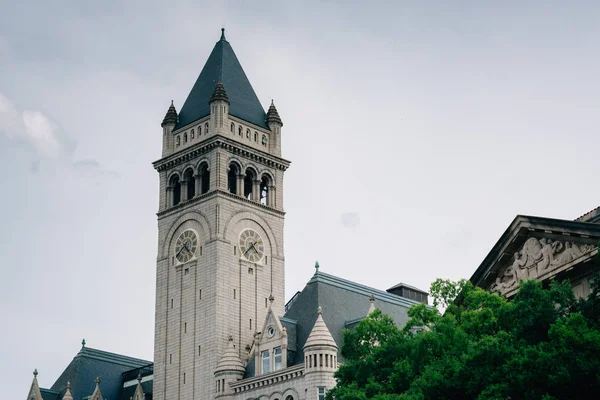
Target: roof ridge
89 352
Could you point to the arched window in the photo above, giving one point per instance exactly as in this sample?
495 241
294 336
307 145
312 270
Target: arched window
205 178
206 128
240 130
248 182
232 127
255 136
232 178
178 140
191 184
192 134
247 133
185 137
199 130
265 182
175 185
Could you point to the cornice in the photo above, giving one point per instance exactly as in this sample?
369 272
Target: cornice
216 192
244 385
223 142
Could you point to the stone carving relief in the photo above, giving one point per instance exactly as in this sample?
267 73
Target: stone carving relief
537 257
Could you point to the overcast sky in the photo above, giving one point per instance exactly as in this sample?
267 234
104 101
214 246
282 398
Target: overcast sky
417 131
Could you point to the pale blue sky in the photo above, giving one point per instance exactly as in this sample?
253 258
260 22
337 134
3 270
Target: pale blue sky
416 130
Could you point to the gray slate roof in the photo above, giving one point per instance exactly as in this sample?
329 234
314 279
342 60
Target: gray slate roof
91 363
344 303
223 66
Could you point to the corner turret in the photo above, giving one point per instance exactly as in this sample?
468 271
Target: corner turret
219 109
275 124
229 369
320 359
34 391
168 125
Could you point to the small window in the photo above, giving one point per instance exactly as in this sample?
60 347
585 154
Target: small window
255 137
320 360
178 140
234 294
234 250
185 137
184 378
200 250
185 327
171 303
232 127
266 302
266 362
170 358
264 140
200 294
199 348
277 358
206 128
250 323
240 130
186 271
199 130
192 134
266 261
321 393
247 133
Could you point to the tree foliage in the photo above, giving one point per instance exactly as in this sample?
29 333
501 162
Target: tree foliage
543 344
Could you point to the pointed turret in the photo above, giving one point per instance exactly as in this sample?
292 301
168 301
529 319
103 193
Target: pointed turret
219 93
34 391
273 116
168 125
320 335
68 395
229 369
139 392
171 116
230 361
97 395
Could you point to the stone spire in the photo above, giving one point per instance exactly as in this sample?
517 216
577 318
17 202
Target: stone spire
34 391
97 395
230 361
219 94
372 306
320 335
139 392
68 395
273 115
171 116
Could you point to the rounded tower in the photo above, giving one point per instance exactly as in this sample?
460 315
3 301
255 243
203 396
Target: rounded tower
229 369
320 359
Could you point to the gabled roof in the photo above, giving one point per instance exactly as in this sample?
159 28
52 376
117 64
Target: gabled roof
520 229
223 66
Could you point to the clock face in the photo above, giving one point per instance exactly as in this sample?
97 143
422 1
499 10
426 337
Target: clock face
186 246
251 245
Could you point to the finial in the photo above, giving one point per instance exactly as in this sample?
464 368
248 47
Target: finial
230 338
271 298
68 385
83 343
97 380
35 373
139 378
319 310
372 299
172 103
272 103
223 34
317 266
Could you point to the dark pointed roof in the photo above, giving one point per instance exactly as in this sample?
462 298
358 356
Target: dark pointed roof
170 118
273 115
223 66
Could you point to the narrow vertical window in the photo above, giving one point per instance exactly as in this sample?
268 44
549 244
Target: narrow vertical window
170 358
320 360
315 360
223 385
184 378
192 134
199 350
234 250
200 250
200 294
321 393
277 359
255 137
266 362
265 302
266 263
206 128
185 327
171 303
250 323
327 360
234 294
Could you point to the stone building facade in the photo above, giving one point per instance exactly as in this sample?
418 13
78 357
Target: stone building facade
222 327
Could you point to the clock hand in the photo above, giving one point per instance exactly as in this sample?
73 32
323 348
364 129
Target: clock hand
248 249
179 252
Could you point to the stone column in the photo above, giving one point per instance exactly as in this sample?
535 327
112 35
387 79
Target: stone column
198 183
184 192
240 184
256 190
169 196
271 196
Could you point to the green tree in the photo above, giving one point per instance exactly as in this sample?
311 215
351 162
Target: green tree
543 344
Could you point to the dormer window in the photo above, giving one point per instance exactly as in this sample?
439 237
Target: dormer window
240 130
264 140
178 140
278 363
256 137
185 137
192 134
206 128
247 133
232 127
266 362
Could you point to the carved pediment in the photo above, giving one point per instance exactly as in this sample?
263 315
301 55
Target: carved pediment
540 258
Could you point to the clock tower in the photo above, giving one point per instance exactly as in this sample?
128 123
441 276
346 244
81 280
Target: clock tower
220 227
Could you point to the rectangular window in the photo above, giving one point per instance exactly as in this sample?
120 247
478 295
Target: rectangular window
184 378
320 360
266 302
186 271
250 323
321 393
198 350
200 250
171 303
234 250
200 294
185 327
234 294
266 260
277 358
266 362
327 360
223 384
170 358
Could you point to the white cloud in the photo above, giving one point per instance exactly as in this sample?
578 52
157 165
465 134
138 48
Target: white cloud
32 126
